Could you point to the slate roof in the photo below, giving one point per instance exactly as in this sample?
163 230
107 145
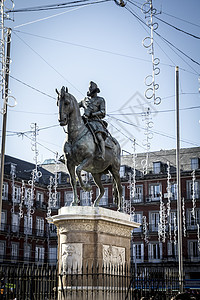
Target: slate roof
24 169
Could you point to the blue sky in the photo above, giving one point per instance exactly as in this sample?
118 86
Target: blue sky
103 43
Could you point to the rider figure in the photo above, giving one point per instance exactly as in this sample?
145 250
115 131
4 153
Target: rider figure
94 112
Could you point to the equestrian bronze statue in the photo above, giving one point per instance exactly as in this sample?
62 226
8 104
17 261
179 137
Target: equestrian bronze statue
88 145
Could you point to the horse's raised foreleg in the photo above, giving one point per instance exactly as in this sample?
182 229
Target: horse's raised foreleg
71 169
85 163
97 179
116 177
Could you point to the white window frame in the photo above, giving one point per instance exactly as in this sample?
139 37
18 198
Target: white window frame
40 226
192 222
52 255
138 252
194 163
155 251
68 197
15 222
17 194
154 217
191 245
172 250
104 199
155 191
138 194
40 197
190 189
52 229
39 254
157 167
2 250
28 224
5 191
138 218
85 198
14 251
27 252
174 191
3 219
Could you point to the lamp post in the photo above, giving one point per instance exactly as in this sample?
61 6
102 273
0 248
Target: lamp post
179 205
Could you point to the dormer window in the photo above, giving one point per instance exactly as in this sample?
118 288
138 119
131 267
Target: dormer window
157 167
195 163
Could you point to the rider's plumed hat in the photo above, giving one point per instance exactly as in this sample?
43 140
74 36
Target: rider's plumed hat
93 88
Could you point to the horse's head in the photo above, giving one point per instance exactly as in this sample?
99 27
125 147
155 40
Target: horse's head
64 105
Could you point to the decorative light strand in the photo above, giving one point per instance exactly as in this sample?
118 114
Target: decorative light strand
148 43
175 231
145 229
55 181
149 135
168 190
21 213
162 222
3 60
50 196
184 219
193 194
13 175
198 237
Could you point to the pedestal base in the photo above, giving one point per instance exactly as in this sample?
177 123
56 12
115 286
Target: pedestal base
88 238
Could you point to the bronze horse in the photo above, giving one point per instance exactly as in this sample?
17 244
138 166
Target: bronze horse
80 150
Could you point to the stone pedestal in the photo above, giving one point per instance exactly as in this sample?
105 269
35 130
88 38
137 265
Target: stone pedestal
90 238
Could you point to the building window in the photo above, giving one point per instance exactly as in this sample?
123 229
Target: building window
27 197
2 250
193 219
52 255
14 251
27 252
155 252
104 199
5 191
193 251
122 172
85 198
138 194
155 191
15 222
40 226
190 189
138 252
137 218
172 250
174 191
40 198
68 198
16 194
3 220
173 220
57 202
195 163
52 229
154 221
157 167
39 254
28 224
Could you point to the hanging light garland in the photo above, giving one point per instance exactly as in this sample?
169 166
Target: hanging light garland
13 175
149 135
148 43
184 219
162 222
145 229
193 194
